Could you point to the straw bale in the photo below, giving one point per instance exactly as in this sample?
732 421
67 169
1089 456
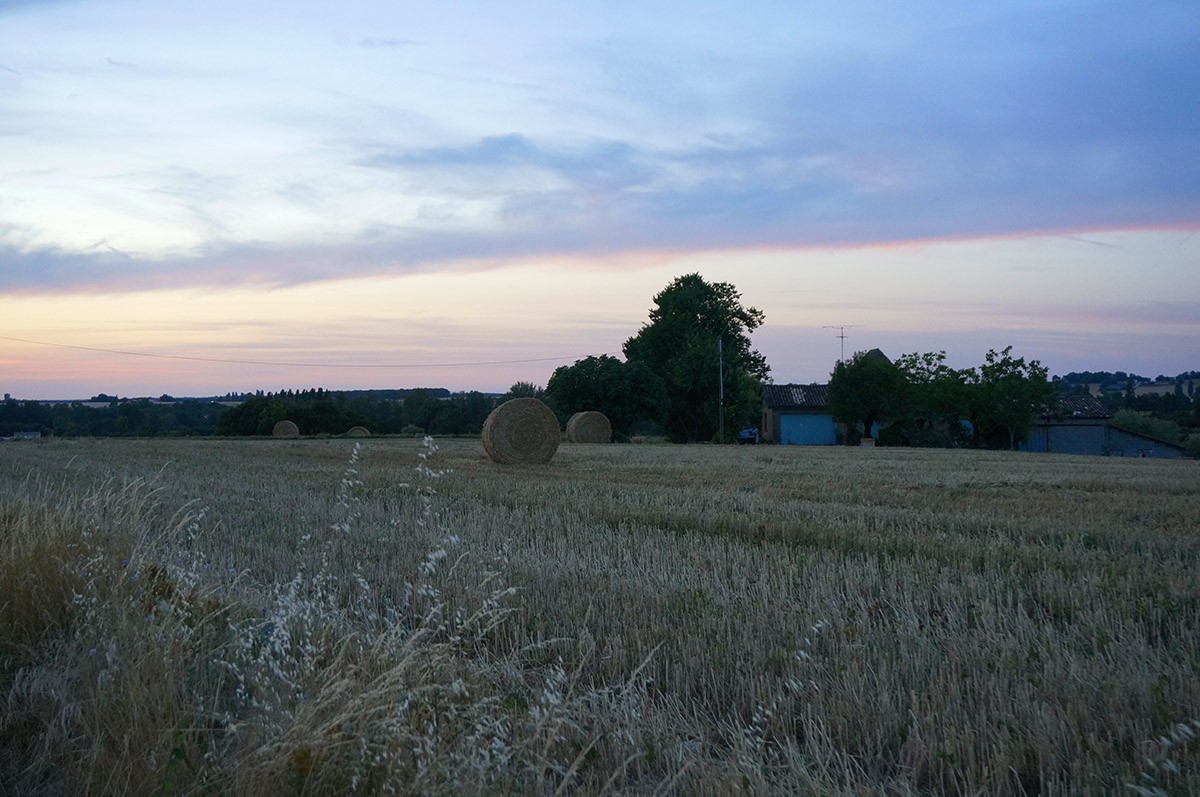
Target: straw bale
589 427
522 431
358 431
286 429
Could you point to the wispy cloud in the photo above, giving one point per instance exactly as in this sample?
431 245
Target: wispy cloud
425 144
374 43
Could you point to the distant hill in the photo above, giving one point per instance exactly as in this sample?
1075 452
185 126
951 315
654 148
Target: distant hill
386 394
1121 377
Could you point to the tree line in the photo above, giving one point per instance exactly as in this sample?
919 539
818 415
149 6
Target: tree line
141 418
918 400
689 374
420 412
316 411
690 370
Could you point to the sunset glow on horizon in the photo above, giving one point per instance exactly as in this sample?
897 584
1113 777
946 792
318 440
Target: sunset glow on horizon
368 196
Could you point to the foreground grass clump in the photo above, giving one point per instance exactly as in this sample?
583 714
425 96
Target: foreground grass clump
133 662
628 619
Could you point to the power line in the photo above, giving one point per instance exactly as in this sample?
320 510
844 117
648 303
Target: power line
289 364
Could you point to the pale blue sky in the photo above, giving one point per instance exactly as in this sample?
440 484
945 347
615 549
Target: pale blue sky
956 177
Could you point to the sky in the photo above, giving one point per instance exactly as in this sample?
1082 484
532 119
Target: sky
198 198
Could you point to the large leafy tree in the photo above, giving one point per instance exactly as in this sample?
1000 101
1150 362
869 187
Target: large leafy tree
1010 394
628 393
938 399
522 390
865 390
690 319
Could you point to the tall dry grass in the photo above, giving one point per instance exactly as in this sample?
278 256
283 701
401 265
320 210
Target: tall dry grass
628 619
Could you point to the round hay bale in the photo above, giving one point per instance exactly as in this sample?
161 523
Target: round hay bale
522 431
358 431
286 429
589 427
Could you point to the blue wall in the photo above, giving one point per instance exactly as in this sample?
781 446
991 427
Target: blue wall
1124 444
1095 439
808 429
1067 439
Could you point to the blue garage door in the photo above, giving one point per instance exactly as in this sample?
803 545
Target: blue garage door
806 430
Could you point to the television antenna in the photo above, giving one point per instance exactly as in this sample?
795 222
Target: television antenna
841 335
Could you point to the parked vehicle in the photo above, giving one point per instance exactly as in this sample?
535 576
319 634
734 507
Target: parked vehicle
748 434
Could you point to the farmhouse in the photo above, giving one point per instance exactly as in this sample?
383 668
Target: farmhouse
798 415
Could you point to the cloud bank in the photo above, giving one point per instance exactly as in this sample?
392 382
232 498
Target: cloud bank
228 149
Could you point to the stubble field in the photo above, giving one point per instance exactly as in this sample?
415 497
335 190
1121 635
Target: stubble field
316 617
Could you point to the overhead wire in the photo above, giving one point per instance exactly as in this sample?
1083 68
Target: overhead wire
289 364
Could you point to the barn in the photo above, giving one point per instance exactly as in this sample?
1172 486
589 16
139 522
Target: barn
1079 426
798 415
1122 443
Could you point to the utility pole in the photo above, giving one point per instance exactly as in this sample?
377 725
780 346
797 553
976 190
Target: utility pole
841 328
720 390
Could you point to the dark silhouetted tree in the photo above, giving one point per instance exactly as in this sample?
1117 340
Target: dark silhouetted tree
938 399
523 390
1009 395
689 320
628 393
865 390
253 416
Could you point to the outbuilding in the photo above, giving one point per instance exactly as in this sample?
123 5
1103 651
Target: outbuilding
798 415
1123 443
1078 426
1081 425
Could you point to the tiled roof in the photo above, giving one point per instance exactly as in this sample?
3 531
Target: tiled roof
1082 407
816 397
1119 431
808 397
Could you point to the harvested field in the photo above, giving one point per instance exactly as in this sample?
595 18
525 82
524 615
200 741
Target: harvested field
262 616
